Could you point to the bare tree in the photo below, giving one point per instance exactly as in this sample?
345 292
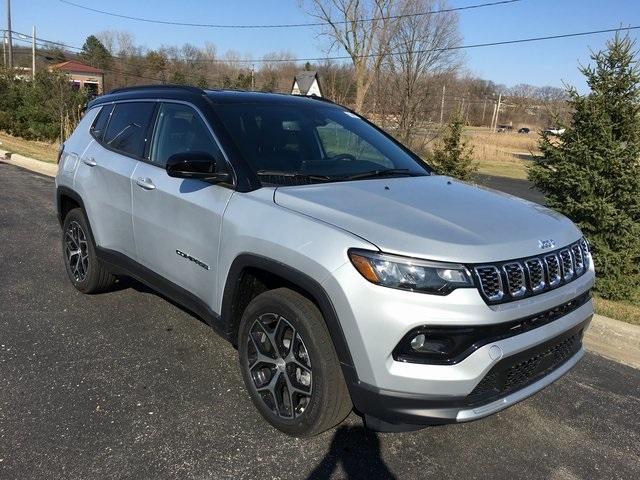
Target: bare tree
363 28
424 46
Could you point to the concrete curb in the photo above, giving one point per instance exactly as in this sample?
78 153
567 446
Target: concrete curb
38 166
613 339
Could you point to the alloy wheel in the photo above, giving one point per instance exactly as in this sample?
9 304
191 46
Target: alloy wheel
76 251
279 366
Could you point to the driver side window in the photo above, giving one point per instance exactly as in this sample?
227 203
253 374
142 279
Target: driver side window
337 140
180 129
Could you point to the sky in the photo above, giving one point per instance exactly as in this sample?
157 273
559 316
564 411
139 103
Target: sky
549 62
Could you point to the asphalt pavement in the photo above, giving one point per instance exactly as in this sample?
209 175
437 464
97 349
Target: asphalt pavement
128 385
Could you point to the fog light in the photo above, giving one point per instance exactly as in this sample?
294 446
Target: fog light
418 342
421 344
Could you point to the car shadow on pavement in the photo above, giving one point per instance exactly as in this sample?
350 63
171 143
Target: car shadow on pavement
358 450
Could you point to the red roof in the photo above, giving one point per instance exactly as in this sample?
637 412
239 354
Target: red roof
77 67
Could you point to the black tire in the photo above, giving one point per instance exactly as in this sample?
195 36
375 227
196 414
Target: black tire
90 275
326 401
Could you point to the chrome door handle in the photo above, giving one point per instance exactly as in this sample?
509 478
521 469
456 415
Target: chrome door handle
89 161
145 183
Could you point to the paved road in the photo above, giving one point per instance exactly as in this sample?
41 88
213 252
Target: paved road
127 385
513 186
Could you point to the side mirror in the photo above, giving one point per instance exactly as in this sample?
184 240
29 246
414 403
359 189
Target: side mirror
200 165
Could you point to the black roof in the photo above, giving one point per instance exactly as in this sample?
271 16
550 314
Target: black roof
181 92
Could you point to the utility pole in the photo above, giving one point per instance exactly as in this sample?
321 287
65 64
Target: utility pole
9 33
253 78
484 108
33 54
442 105
4 49
497 112
493 117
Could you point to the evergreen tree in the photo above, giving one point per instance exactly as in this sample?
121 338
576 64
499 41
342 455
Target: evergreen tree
95 53
453 156
592 172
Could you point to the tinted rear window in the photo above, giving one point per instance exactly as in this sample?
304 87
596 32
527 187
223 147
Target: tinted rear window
128 127
100 123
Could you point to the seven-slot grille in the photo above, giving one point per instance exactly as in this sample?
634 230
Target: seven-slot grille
506 281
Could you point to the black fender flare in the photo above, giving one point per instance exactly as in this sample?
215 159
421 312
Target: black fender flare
305 282
62 191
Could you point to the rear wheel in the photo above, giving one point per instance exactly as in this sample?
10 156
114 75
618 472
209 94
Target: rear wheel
85 270
289 365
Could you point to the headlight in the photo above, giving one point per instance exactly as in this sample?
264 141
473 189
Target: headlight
410 274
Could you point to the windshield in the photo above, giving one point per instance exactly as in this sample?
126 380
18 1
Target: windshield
298 144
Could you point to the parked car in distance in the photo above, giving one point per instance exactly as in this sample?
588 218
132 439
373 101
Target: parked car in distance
505 128
524 130
554 131
348 274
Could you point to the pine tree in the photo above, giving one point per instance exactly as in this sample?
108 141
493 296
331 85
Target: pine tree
592 172
453 157
95 53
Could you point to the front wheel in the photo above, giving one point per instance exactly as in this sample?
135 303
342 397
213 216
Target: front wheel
289 364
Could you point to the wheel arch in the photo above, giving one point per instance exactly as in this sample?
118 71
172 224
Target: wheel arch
66 200
296 280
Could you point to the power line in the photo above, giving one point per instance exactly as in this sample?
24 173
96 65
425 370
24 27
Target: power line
287 25
347 57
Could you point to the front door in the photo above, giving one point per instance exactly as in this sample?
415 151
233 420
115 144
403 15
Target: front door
177 221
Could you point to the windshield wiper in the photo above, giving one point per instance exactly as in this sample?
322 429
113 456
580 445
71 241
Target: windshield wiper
382 173
295 175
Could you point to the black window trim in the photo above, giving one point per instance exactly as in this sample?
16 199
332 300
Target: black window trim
224 158
152 126
95 120
118 151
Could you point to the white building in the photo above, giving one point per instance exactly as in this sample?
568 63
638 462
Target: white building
306 83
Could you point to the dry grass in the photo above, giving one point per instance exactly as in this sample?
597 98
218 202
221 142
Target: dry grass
503 154
45 151
623 311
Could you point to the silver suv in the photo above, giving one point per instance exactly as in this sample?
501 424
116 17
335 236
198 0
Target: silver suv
347 273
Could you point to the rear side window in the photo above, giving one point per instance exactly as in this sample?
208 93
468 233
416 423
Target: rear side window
127 130
101 121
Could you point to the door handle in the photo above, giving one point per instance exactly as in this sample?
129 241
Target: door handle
89 161
145 183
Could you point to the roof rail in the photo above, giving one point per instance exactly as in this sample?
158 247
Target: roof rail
159 86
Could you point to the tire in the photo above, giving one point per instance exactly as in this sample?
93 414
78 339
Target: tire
303 362
86 272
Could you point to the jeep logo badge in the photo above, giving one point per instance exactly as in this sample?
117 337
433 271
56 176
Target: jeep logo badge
544 244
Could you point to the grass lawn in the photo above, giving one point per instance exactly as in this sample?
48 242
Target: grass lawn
503 154
45 151
623 311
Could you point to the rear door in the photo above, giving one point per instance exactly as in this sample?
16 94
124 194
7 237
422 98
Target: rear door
103 178
177 221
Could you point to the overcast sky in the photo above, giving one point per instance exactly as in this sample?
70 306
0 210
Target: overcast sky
540 63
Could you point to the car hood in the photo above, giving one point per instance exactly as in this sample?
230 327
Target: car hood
432 217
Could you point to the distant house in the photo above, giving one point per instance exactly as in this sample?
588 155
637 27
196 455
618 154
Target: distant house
84 76
306 83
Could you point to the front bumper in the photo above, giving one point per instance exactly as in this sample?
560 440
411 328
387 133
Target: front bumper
392 393
510 381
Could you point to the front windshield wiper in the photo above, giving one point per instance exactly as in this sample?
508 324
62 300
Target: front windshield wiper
295 175
382 173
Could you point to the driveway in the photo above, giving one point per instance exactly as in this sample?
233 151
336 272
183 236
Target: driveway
127 385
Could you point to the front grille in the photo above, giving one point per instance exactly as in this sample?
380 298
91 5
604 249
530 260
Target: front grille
514 373
490 282
553 270
515 279
507 281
